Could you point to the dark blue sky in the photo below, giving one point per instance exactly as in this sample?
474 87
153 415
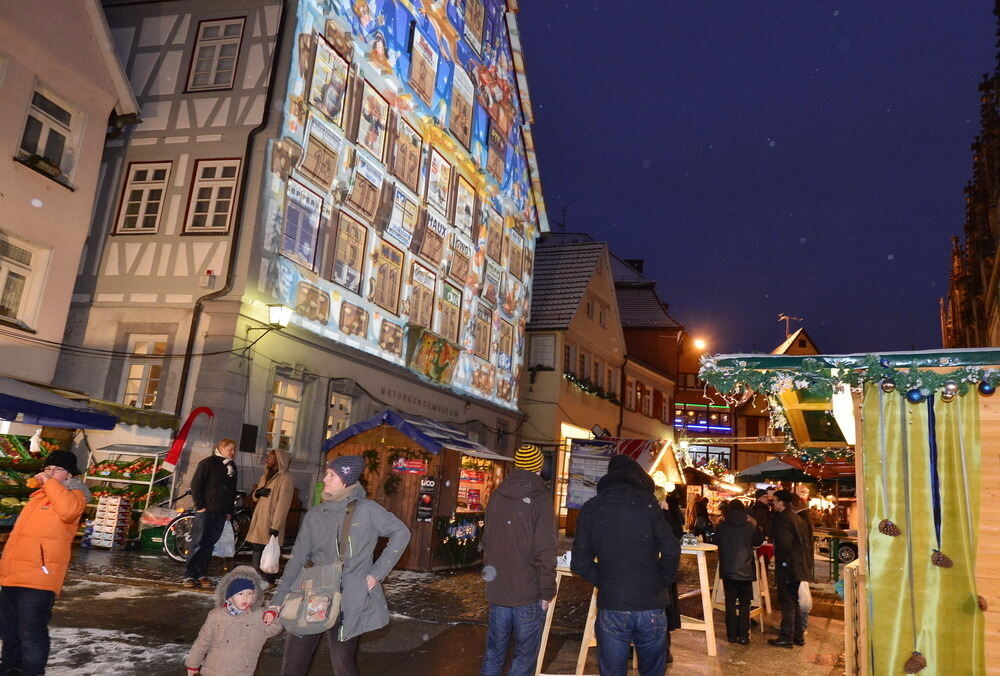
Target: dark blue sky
765 157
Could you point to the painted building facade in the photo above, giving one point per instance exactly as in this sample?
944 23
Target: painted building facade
61 84
367 165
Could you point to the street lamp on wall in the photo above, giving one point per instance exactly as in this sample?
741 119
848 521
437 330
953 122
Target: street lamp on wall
278 316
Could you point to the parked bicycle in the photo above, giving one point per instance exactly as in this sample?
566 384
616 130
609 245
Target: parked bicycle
177 534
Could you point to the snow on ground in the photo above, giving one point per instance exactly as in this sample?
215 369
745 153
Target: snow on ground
84 652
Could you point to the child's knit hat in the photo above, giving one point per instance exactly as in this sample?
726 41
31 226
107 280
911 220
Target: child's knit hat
238 585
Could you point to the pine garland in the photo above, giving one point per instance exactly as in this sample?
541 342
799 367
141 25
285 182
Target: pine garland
590 388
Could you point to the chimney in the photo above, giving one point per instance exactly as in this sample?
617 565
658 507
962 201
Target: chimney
635 263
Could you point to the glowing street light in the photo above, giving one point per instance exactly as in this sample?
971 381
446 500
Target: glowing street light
700 344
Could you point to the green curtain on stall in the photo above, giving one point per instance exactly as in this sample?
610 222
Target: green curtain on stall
915 605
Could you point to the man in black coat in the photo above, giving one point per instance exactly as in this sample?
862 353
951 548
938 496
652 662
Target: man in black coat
213 489
760 512
736 538
793 564
636 555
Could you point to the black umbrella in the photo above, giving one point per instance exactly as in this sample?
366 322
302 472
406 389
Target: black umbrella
773 469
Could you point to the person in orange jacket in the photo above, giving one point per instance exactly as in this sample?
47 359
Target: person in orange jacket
34 564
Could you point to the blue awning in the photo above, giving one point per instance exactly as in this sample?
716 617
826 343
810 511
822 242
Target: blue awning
38 406
430 434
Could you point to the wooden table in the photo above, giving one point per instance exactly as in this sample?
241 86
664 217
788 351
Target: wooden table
589 641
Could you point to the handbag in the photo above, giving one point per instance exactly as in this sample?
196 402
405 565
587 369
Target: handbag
270 558
313 604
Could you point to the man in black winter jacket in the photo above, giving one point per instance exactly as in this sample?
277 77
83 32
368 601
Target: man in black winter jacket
793 563
213 489
736 538
760 512
636 555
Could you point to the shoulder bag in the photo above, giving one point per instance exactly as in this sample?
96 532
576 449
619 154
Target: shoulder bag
313 604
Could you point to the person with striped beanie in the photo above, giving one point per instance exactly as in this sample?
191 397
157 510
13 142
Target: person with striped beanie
519 564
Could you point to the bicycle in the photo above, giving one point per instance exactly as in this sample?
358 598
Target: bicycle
177 533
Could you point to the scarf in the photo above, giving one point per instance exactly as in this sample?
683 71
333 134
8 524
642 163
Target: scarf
228 462
338 495
231 609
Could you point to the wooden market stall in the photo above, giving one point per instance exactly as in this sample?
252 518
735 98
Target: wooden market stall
432 476
925 427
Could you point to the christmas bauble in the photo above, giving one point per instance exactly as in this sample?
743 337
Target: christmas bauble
947 396
884 363
986 389
914 396
951 386
888 386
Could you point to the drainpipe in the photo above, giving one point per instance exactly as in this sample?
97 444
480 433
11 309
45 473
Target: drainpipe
621 399
199 305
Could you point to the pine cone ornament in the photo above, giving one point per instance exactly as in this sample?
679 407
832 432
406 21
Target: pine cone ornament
940 560
886 527
915 664
981 602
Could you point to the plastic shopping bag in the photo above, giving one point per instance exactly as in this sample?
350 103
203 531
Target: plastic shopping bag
270 560
805 598
225 546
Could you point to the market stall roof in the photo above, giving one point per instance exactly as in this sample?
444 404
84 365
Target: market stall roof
918 358
39 406
135 449
823 469
773 469
430 434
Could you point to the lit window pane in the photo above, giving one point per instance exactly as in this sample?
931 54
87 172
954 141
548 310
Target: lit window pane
32 133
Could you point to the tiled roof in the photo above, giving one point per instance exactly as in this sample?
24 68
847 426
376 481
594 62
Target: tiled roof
561 275
640 307
625 273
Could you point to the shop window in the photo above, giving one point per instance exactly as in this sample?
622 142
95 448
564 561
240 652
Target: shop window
543 348
142 201
702 455
703 419
213 65
212 196
283 418
451 312
22 270
144 370
481 332
49 132
421 302
475 478
388 271
339 414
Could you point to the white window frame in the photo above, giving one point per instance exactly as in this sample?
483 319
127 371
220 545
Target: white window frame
543 350
31 263
147 362
216 44
338 416
67 160
214 186
283 403
145 186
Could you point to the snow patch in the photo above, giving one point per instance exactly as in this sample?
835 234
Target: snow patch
83 652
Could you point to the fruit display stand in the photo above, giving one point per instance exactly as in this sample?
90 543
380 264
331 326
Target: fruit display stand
19 461
130 471
112 520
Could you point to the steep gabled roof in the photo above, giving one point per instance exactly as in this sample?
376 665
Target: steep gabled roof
561 275
626 274
641 308
790 346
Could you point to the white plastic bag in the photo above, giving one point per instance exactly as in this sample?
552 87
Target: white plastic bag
270 560
805 598
225 546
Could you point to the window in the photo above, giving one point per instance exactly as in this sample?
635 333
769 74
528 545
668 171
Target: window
569 351
481 332
20 280
212 195
301 224
421 310
612 382
505 346
701 455
665 410
283 418
388 271
543 351
590 309
451 312
603 317
142 199
597 371
583 364
48 132
339 414
144 370
213 65
691 381
629 393
643 399
349 253
703 418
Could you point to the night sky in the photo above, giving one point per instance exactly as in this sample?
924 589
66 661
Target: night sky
765 157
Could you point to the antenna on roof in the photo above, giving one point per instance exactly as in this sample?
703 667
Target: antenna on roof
562 218
785 318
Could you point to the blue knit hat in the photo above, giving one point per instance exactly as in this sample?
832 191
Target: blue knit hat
348 468
238 585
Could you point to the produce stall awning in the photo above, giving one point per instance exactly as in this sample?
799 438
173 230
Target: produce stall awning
430 434
773 469
39 406
130 415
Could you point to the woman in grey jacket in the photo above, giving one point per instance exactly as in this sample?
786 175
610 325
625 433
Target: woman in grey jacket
363 607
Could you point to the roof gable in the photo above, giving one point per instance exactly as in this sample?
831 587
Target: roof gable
797 343
562 274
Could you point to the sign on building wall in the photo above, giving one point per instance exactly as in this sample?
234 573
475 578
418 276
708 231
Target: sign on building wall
398 193
588 462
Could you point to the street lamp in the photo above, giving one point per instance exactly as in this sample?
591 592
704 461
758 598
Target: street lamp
700 344
278 316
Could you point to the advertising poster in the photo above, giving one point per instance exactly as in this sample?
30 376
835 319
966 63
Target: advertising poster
423 67
406 166
491 286
403 221
438 182
414 466
465 205
435 357
475 16
435 235
301 223
390 338
588 462
421 301
494 234
516 260
353 320
374 115
349 253
462 93
388 264
329 82
497 152
367 188
312 303
425 499
461 255
321 158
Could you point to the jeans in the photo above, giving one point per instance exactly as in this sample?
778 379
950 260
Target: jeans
738 596
526 623
792 622
299 650
24 629
206 532
617 629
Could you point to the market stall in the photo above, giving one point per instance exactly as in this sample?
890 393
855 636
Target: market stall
432 476
925 426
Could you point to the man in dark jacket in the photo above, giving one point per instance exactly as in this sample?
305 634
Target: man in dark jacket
793 563
736 539
213 489
519 556
760 512
636 555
